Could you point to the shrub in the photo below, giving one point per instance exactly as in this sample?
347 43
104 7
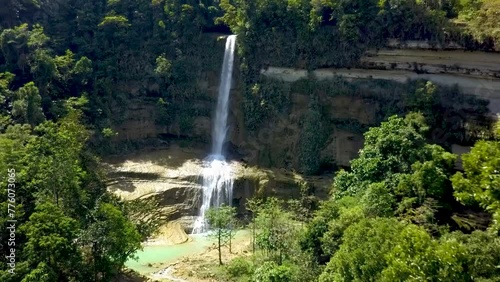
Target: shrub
239 267
272 272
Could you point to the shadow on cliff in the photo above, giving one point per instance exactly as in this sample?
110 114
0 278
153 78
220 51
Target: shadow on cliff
123 180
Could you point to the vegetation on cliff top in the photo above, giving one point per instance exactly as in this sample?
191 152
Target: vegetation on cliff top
312 34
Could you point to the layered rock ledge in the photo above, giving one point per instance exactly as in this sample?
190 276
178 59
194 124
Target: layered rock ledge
476 73
172 175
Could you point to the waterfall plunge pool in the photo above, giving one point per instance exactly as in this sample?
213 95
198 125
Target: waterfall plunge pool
156 257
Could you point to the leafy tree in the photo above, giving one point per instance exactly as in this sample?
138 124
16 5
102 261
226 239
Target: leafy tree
83 66
482 254
479 184
43 67
311 238
379 200
221 219
25 52
360 257
27 105
50 245
397 165
483 21
57 187
312 140
269 271
418 257
110 239
240 266
253 205
56 169
276 230
349 213
13 143
163 66
389 149
453 257
6 79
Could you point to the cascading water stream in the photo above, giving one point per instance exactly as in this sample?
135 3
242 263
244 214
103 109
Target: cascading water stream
217 176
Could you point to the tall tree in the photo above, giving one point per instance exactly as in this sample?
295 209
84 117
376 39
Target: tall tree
27 107
276 229
50 245
221 220
109 240
479 184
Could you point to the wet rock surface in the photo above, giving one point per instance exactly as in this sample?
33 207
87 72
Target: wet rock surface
172 175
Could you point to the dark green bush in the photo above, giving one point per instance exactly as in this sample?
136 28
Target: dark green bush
240 266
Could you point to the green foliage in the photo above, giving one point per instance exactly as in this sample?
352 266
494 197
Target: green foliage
276 230
363 232
482 253
111 238
26 107
42 273
480 181
83 66
163 66
108 132
348 214
418 257
389 224
311 239
221 220
50 236
311 34
13 43
378 200
313 139
68 231
398 173
56 170
265 99
99 56
482 18
114 21
269 271
6 79
396 147
239 267
359 256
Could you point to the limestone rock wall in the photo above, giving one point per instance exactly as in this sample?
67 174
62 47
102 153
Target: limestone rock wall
275 143
172 176
475 73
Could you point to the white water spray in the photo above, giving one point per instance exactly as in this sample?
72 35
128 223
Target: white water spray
217 175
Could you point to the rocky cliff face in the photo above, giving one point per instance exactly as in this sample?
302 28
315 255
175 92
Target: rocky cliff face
475 73
172 176
275 143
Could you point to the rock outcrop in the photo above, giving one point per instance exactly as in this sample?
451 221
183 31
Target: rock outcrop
475 73
172 175
276 142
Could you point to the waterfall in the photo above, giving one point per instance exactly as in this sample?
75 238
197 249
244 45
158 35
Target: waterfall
217 183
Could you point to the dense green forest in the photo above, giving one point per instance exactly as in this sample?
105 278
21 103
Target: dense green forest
66 69
400 214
